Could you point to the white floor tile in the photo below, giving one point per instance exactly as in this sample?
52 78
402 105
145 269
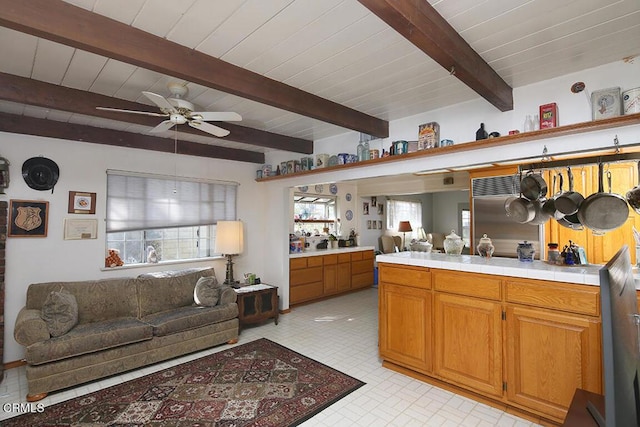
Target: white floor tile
343 333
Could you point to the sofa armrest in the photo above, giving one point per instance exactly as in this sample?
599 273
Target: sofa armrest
227 295
30 328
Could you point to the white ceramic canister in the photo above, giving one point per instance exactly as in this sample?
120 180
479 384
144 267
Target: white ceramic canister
322 160
631 101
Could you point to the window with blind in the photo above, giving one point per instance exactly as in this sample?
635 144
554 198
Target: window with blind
403 210
160 218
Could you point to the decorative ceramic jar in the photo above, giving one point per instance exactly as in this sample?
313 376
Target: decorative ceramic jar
485 247
453 244
526 251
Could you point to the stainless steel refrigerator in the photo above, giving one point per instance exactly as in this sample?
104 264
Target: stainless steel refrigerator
489 217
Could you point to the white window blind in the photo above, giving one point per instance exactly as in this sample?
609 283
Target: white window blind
143 202
402 210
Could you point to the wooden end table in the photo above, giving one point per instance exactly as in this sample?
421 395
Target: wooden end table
257 303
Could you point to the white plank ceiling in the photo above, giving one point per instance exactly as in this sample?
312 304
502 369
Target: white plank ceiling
336 49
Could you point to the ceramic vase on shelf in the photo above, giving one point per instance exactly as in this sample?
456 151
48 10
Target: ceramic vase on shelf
526 251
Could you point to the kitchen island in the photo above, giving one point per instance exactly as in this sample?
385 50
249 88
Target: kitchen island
322 273
518 336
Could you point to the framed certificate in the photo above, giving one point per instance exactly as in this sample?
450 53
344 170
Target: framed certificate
79 229
606 103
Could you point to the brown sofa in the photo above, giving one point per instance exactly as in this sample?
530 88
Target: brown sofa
122 324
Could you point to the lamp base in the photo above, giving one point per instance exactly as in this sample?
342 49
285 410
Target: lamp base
229 280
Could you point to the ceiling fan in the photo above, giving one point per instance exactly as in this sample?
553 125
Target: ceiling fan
179 111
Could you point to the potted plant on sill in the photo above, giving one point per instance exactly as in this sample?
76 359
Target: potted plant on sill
333 241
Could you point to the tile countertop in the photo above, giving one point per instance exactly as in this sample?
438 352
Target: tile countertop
582 274
332 251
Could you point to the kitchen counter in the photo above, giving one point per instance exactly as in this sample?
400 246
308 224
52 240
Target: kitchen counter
582 274
318 252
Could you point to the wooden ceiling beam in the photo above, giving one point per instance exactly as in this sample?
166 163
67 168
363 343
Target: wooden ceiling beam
79 28
13 123
46 95
423 26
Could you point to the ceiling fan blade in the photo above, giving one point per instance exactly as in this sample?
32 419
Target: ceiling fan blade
160 101
213 116
144 113
163 127
209 128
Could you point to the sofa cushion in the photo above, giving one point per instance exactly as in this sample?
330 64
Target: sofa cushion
185 318
176 288
60 312
98 300
207 291
89 338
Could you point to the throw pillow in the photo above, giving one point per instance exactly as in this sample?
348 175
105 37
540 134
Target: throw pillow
207 291
60 312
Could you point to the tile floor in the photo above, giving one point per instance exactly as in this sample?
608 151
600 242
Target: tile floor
342 333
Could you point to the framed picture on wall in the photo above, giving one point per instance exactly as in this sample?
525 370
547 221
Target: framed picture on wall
374 224
28 218
374 201
380 224
368 224
81 203
380 209
365 208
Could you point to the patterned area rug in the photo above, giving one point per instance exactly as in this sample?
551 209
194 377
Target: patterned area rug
260 383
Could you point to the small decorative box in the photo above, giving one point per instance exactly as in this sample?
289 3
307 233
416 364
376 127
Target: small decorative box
548 115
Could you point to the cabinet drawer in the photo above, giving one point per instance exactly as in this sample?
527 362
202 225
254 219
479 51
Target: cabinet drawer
361 280
469 284
330 259
297 263
308 275
356 256
342 258
305 292
314 261
582 299
418 277
367 255
364 266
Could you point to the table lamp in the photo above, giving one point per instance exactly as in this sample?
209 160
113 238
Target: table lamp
404 227
229 241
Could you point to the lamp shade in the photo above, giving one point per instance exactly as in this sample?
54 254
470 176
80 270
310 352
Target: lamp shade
404 227
229 237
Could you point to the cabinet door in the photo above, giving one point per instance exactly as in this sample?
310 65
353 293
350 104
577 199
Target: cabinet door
344 277
330 279
405 326
468 342
550 355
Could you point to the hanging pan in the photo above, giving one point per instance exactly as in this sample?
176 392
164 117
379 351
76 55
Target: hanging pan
633 195
569 202
533 186
602 211
549 205
568 221
520 209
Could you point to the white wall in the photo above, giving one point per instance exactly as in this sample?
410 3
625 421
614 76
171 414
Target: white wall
82 168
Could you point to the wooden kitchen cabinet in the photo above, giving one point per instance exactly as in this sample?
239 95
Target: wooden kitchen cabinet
318 276
405 318
361 269
524 343
549 355
468 342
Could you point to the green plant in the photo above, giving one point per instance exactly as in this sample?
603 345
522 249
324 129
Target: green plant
332 237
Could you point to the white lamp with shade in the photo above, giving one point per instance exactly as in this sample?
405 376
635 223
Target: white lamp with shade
229 242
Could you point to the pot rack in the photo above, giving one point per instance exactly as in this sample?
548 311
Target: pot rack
547 162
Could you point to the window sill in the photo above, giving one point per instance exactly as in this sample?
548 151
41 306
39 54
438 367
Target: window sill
167 263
